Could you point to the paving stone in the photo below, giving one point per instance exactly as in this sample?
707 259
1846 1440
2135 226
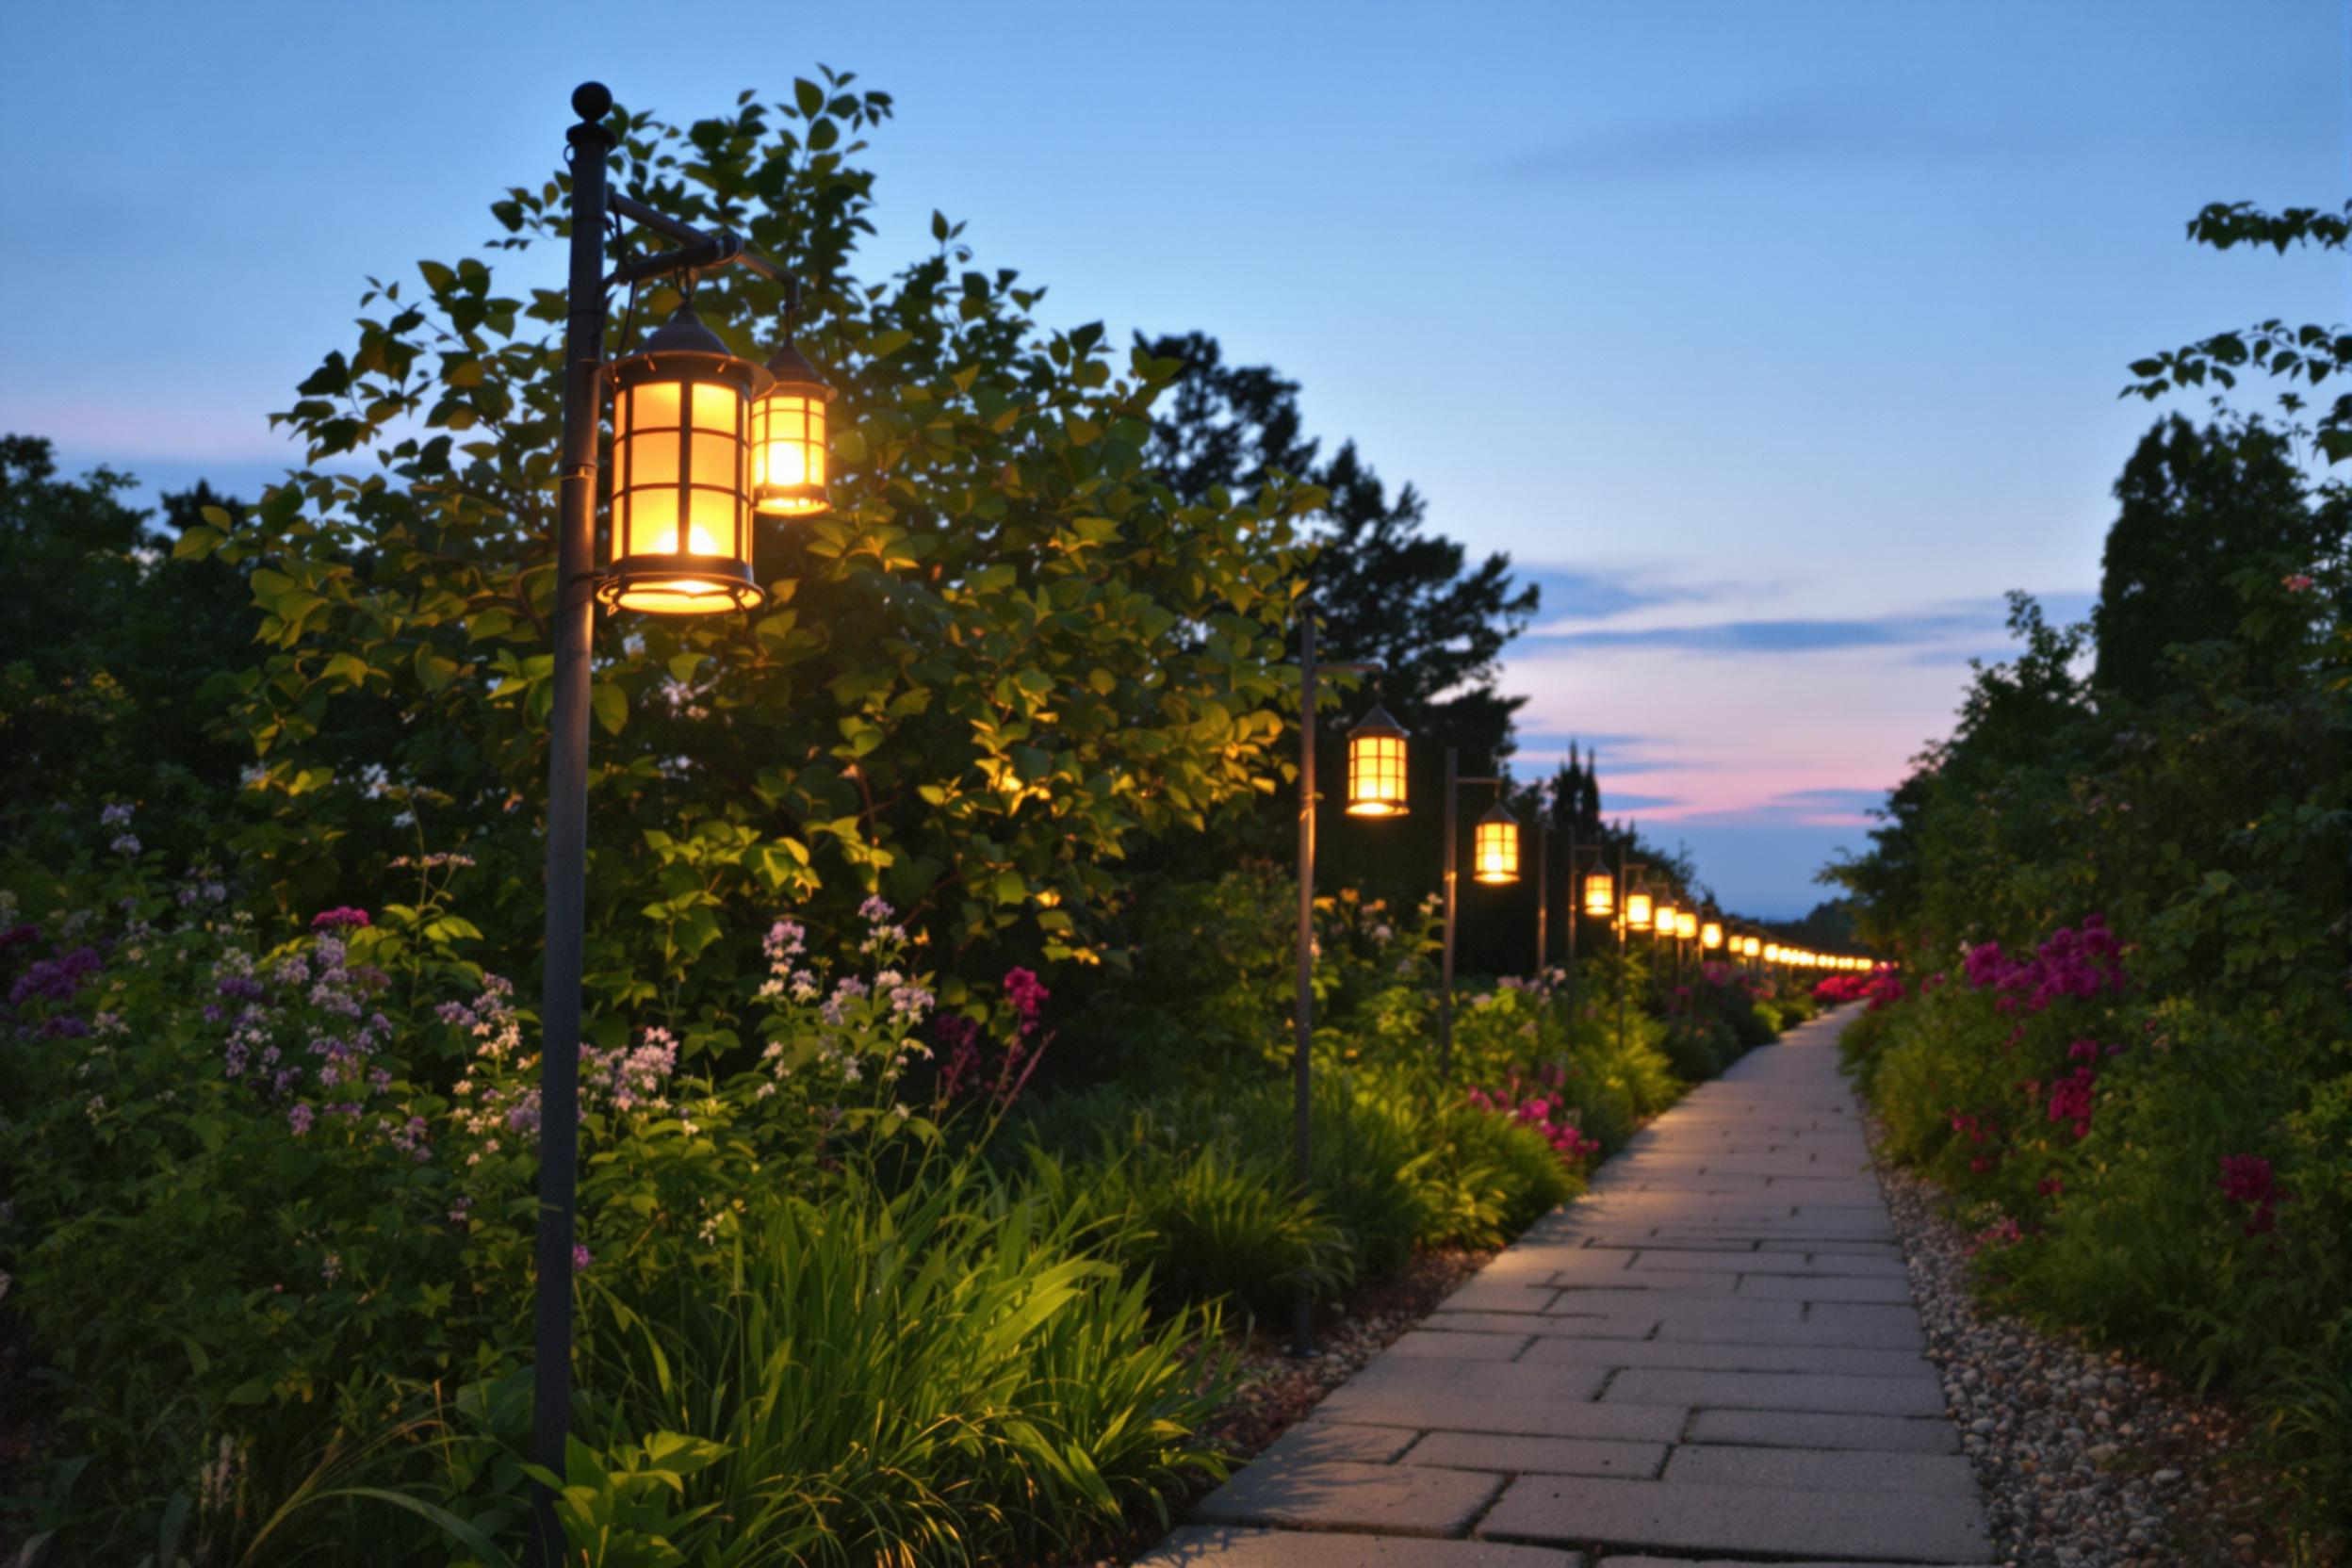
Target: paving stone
1702 1356
1550 1456
1311 1441
1615 1561
1589 1327
1896 1289
1438 1345
1481 1295
1901 1526
1660 1260
1198 1544
1860 1315
1791 1428
1806 1469
1336 1495
1922 1394
1873 1336
1539 1401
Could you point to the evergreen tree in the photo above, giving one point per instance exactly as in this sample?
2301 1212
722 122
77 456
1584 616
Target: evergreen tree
2197 506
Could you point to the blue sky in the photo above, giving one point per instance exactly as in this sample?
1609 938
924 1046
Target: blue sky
1775 339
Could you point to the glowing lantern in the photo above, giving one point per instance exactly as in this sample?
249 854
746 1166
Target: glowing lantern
1711 934
1600 894
1686 925
1376 766
1665 920
1772 952
1638 908
1750 947
788 436
681 475
1494 846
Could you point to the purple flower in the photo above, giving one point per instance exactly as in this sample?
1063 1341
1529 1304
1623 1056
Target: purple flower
581 1257
116 815
124 843
299 1119
339 919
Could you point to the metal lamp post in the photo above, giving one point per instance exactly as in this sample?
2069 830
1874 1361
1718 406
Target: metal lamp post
1495 821
698 432
1376 787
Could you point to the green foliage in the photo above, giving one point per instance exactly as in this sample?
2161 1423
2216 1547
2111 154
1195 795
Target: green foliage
103 652
2161 1166
2301 356
1009 654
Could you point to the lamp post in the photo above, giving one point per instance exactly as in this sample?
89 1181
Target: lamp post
1495 858
1376 787
698 434
1542 885
1633 908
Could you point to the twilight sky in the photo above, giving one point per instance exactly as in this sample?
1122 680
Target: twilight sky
1775 339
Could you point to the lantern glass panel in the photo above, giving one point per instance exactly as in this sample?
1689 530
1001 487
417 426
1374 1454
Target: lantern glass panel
787 452
1637 909
1600 894
1712 936
1376 774
1686 925
1495 851
1664 921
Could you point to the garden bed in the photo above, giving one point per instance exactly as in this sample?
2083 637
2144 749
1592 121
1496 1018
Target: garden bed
2084 1457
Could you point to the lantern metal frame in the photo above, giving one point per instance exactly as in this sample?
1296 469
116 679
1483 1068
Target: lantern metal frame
1499 831
790 376
1370 741
688 355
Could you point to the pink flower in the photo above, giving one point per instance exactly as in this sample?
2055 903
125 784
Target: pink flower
2296 583
337 920
581 1257
2248 1182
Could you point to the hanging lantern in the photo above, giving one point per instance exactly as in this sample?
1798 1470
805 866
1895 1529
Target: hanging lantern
1376 766
1711 934
1494 846
1600 894
1663 923
681 475
1686 925
1750 947
1772 952
788 470
1637 907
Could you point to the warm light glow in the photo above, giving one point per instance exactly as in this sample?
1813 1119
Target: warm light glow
680 500
1600 894
787 452
1494 847
1686 925
1377 785
1750 947
1665 923
1637 909
1712 936
1772 952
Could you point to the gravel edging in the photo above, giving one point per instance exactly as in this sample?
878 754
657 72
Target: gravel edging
2086 1459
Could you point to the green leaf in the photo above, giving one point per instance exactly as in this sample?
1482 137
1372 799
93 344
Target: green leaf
810 96
611 706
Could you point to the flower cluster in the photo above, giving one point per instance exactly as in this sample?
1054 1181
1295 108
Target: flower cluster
1881 987
2249 1183
1538 1103
2079 963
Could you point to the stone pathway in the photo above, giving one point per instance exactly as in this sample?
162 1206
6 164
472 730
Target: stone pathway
1712 1357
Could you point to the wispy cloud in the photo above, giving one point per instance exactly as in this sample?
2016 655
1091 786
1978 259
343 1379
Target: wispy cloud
1759 135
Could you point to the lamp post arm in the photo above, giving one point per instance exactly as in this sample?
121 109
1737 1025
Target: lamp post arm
687 234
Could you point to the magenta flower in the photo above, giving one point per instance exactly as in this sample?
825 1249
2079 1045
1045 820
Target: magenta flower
338 920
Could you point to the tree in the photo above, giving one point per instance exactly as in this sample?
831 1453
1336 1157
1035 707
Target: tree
2195 506
1389 590
1009 654
106 648
2307 356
